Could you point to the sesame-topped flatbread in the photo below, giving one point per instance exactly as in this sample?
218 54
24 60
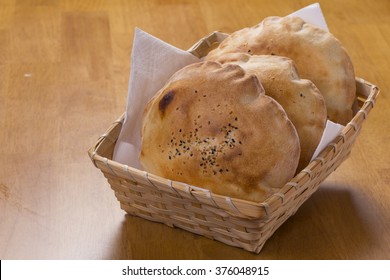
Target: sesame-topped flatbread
213 127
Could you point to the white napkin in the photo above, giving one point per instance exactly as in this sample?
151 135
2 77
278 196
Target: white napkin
312 14
153 62
331 131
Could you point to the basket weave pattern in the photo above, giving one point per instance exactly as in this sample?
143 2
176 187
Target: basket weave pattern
232 221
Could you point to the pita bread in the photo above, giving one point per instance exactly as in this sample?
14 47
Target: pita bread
300 98
212 126
317 54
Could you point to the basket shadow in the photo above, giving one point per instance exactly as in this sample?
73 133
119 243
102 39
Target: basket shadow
329 225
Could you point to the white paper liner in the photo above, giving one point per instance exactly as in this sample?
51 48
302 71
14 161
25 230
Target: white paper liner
312 14
153 62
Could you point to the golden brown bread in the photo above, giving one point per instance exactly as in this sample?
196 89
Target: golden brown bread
317 54
212 126
300 98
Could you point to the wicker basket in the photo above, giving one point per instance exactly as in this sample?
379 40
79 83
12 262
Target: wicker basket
232 221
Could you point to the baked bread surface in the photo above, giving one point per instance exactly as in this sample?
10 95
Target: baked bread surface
317 54
300 98
213 127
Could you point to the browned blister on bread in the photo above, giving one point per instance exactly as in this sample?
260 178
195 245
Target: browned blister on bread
300 98
213 127
317 54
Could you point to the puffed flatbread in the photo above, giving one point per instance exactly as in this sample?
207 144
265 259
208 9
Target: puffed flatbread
300 98
317 54
213 127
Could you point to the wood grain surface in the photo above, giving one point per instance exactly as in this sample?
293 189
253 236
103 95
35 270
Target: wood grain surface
64 70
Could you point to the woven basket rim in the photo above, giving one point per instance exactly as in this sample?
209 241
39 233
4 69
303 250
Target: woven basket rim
236 222
272 202
235 205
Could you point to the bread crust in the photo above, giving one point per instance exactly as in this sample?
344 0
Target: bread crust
212 126
317 54
300 98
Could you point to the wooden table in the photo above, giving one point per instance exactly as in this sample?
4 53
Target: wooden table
64 69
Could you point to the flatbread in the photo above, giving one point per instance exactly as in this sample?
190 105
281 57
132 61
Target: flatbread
318 56
213 127
300 98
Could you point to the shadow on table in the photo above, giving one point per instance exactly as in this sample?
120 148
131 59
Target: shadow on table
330 225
